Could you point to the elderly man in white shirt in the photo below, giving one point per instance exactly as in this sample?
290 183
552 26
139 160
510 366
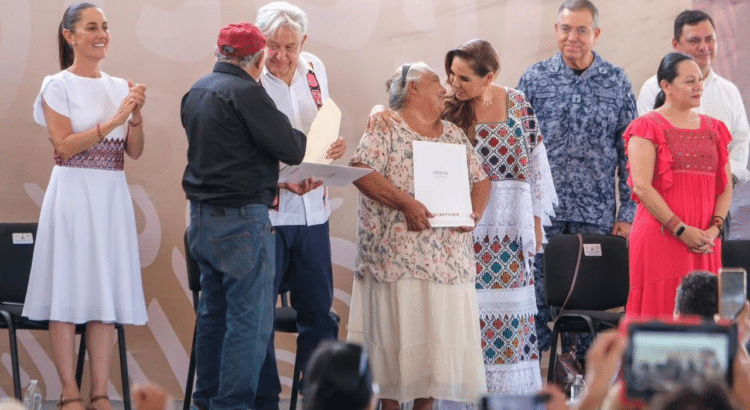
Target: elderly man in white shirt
297 83
694 35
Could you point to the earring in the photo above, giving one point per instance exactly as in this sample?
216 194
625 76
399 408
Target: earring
486 97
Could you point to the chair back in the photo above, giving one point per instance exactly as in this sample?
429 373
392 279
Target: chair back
16 251
603 278
736 254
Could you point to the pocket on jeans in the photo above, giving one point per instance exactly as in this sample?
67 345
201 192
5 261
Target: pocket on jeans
234 255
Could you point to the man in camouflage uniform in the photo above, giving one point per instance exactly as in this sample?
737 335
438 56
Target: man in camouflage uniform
583 105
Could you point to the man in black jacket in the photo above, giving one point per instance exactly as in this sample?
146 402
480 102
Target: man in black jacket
236 138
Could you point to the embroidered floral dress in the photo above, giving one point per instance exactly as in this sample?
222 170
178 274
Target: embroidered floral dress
86 264
689 173
413 300
515 159
387 249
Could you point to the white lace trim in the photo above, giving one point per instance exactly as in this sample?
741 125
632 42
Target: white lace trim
518 378
508 212
509 301
543 193
513 379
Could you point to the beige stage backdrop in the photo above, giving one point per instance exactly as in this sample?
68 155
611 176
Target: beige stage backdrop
168 44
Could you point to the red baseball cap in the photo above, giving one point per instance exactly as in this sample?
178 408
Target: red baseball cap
245 38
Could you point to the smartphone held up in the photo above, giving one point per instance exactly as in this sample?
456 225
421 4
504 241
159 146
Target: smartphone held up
732 292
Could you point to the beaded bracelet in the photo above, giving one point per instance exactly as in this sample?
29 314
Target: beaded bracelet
99 132
673 223
135 124
718 222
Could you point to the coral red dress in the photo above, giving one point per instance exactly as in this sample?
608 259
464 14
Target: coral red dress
689 173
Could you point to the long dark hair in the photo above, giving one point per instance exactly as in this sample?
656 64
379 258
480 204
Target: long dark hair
70 18
668 71
338 376
482 59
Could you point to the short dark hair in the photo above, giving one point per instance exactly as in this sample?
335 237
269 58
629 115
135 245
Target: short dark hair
698 295
575 5
338 376
691 18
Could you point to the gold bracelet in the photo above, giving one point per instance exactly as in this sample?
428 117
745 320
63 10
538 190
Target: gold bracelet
135 124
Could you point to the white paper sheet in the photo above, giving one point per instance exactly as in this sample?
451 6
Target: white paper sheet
332 175
323 132
441 182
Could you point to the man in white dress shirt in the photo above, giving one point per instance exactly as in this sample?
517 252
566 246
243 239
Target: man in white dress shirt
694 35
297 83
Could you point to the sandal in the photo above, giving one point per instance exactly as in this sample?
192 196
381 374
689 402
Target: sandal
95 399
64 402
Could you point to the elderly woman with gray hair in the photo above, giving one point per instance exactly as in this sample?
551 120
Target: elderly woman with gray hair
413 302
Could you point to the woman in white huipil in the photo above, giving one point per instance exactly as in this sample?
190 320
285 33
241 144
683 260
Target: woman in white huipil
86 267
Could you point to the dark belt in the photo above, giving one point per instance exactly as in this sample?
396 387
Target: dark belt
217 210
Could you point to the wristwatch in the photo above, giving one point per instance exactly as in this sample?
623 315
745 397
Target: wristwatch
679 230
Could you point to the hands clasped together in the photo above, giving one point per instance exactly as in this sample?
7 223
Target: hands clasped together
699 241
132 103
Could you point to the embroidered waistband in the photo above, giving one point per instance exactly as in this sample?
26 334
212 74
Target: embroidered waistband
107 155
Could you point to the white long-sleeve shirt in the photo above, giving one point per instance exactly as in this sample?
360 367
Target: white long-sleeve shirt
297 103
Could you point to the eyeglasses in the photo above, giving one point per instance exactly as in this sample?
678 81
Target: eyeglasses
404 71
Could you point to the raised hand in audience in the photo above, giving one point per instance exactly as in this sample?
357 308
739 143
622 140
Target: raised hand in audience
602 364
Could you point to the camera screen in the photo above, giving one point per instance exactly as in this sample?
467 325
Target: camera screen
661 359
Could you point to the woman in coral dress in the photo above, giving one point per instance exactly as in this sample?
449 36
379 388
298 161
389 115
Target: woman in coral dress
679 172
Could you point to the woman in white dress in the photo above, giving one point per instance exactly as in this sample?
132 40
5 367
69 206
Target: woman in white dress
86 267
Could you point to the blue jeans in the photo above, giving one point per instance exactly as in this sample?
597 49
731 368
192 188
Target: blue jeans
234 248
543 332
303 265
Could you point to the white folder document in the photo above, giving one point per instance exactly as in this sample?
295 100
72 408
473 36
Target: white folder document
323 132
441 182
332 175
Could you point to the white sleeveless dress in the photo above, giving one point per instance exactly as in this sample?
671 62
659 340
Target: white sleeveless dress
86 265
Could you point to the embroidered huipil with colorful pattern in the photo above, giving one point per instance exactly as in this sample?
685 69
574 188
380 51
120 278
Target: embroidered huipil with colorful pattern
515 160
582 119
